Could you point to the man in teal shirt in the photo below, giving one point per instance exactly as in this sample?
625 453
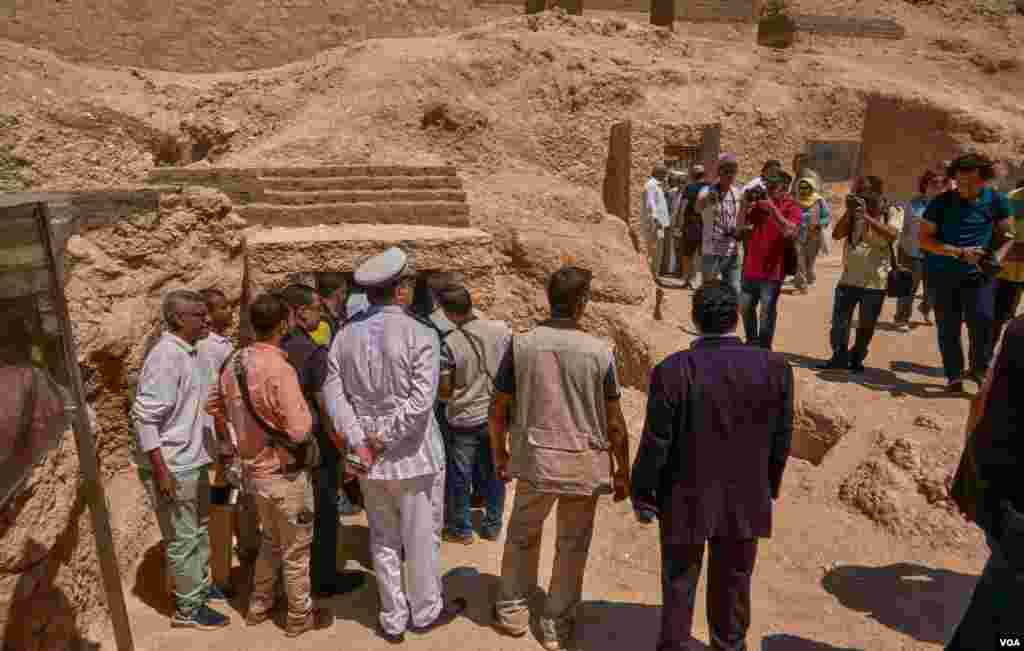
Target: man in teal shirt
959 228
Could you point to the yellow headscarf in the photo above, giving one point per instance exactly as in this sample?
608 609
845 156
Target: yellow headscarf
808 200
322 335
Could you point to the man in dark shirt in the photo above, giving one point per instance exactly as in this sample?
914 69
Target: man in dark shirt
715 443
957 230
310 362
689 243
995 421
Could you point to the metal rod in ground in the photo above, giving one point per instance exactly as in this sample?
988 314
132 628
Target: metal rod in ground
86 443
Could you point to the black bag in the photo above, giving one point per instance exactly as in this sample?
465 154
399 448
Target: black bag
306 454
900 282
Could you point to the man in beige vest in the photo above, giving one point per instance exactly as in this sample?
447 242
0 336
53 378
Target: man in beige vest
567 434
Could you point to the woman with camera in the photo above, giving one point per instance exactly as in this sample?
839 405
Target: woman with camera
869 230
959 233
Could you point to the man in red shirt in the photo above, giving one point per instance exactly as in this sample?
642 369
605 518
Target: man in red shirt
773 221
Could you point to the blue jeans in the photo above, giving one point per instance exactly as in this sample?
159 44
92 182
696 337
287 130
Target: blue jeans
847 298
727 268
760 331
470 449
958 298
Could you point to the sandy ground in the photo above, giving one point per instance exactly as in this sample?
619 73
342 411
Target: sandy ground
828 579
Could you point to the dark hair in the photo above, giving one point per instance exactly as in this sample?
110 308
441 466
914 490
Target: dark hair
568 289
771 164
715 307
329 282
380 295
868 184
266 313
297 295
210 293
444 280
926 180
422 299
455 300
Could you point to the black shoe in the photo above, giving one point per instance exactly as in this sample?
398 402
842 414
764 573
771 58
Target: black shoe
392 639
344 583
856 367
445 617
956 386
833 365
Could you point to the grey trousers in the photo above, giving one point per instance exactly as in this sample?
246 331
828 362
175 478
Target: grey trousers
521 560
406 515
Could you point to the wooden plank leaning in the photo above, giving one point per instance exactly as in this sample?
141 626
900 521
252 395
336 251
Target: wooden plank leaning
86 443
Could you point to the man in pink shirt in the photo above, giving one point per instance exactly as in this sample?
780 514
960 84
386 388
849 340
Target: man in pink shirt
283 492
774 220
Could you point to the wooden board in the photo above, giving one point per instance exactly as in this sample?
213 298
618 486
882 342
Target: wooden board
742 11
852 26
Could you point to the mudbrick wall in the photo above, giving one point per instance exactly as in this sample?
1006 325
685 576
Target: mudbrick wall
214 35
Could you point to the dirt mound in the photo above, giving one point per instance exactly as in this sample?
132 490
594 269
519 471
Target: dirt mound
205 36
903 486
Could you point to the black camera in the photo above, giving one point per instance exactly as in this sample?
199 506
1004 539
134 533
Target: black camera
756 193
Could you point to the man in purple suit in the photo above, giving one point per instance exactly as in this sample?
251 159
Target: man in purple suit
715 443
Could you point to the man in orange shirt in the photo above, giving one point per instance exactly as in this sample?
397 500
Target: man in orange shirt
283 490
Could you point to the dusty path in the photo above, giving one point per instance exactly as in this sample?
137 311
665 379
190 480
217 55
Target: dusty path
828 580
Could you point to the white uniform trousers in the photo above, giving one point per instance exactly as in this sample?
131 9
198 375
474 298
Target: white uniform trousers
406 515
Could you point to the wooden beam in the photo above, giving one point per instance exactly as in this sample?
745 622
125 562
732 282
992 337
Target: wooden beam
86 443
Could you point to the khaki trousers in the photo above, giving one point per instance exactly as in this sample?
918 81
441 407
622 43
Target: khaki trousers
285 507
519 565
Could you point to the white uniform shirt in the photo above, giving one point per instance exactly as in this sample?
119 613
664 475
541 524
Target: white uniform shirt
383 373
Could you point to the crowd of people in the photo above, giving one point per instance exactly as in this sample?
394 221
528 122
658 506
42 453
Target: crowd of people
955 240
387 390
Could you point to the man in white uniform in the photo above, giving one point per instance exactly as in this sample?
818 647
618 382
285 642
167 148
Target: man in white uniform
382 381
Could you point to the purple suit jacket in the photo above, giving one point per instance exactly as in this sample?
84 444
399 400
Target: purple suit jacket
715 443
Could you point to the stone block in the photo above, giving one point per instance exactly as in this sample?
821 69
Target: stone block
275 253
716 10
615 192
776 31
663 13
834 160
902 138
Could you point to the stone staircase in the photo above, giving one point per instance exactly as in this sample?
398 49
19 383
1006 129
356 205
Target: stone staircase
334 195
313 219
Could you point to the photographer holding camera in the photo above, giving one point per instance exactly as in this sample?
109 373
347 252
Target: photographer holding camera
719 206
869 227
773 218
960 231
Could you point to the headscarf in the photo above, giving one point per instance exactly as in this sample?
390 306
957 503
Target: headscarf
808 201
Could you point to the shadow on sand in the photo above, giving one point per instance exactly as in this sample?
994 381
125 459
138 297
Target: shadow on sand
921 602
876 379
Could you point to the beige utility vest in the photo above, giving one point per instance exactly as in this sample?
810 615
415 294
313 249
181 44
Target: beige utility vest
559 429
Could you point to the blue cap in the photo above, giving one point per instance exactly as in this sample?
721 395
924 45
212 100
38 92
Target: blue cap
383 270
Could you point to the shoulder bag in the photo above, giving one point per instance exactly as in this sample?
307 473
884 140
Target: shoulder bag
306 454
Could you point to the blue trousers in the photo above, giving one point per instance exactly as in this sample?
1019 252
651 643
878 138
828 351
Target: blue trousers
323 564
760 330
725 268
469 450
847 298
959 298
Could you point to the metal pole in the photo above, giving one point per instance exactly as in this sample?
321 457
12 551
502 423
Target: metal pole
86 443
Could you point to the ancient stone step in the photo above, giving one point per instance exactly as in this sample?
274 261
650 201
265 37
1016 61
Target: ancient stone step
425 213
362 196
275 253
358 170
360 183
